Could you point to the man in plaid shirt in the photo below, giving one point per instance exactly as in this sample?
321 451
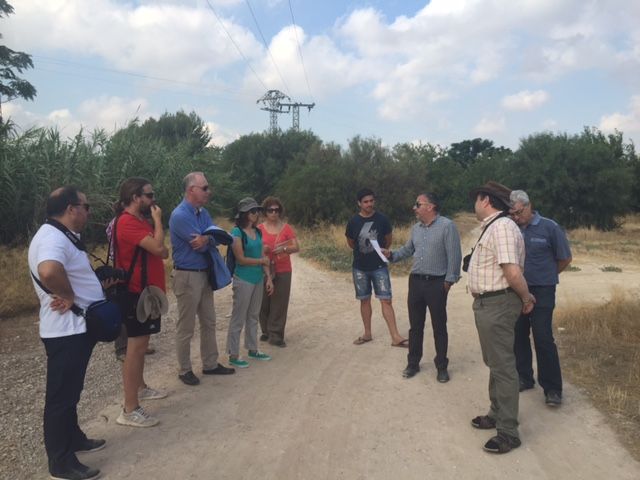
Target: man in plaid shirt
500 294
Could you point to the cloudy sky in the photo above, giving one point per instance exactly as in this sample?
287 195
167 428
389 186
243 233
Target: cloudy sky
400 70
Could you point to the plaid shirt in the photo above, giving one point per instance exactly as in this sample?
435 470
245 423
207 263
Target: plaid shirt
501 243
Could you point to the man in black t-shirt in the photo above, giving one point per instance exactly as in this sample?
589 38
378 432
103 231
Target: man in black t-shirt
369 268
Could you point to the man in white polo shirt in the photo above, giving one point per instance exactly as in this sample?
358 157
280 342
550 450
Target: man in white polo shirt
65 271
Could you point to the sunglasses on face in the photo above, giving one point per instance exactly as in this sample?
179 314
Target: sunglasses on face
418 204
149 195
204 189
254 210
273 210
85 205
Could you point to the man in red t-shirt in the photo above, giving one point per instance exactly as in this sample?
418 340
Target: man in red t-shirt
137 240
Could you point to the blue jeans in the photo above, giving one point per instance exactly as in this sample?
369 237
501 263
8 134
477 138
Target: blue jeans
538 321
378 278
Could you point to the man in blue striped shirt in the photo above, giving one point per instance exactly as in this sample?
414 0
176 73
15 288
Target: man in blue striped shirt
435 247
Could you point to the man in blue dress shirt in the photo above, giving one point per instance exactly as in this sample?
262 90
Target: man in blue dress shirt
191 285
435 248
547 254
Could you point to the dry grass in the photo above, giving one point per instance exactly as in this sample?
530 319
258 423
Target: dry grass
18 295
599 348
621 244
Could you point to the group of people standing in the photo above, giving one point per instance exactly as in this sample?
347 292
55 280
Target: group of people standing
514 295
66 283
514 292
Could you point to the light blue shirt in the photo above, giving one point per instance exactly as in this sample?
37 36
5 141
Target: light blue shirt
185 221
435 248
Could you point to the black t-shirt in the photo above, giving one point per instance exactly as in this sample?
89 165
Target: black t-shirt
362 230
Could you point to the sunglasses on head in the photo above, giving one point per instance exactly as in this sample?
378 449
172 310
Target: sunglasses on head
273 210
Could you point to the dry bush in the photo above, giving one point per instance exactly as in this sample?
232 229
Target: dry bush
16 286
599 348
622 243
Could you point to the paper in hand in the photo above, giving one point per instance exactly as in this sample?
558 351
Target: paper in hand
376 247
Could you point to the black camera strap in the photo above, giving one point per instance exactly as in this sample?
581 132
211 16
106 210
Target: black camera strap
74 308
500 215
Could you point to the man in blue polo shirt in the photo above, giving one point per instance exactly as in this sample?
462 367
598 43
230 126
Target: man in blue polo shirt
547 254
191 285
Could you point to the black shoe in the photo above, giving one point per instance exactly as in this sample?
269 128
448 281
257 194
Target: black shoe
502 443
189 378
553 398
443 375
219 370
91 445
278 343
79 472
264 337
410 371
483 422
525 385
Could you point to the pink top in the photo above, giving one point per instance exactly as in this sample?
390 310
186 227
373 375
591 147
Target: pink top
282 260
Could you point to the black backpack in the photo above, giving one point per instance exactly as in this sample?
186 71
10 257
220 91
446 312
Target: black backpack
230 259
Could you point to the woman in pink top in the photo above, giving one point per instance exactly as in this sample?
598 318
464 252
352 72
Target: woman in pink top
280 242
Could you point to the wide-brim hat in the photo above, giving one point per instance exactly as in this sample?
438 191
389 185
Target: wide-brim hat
152 303
496 190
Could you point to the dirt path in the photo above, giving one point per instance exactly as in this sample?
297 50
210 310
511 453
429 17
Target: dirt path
326 409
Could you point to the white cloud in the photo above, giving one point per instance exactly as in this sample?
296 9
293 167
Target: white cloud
628 123
490 125
525 100
219 135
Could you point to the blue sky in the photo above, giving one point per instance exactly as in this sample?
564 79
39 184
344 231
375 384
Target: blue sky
400 70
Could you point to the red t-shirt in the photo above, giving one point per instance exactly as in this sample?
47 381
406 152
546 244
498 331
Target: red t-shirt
283 260
130 231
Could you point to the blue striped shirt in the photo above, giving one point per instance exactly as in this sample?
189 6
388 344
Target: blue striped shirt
435 248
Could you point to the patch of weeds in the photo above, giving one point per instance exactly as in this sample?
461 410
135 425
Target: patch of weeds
611 268
573 268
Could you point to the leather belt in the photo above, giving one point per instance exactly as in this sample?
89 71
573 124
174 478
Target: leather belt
191 269
427 277
495 293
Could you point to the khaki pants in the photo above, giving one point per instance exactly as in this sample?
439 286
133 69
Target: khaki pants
195 296
273 314
495 320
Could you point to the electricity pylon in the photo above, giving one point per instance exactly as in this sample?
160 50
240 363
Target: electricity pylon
272 101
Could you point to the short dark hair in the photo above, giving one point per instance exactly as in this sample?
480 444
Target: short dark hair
60 199
433 199
364 192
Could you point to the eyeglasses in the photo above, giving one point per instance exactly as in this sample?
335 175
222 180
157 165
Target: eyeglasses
255 210
85 205
517 213
418 204
273 210
204 189
149 195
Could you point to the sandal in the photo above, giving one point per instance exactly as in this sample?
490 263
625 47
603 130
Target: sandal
361 340
402 343
502 443
483 422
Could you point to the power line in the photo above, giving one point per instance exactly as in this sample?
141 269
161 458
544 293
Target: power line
295 31
236 45
264 41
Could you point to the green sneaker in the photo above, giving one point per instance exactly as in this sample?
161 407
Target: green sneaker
238 362
258 355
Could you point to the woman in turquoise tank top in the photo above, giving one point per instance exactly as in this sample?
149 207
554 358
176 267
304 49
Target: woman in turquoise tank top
252 270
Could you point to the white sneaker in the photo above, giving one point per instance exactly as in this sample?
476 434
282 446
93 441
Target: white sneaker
137 418
148 393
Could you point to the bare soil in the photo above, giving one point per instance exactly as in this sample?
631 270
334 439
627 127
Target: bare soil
323 408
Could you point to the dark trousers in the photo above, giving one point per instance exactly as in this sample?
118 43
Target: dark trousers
67 360
273 312
429 294
539 323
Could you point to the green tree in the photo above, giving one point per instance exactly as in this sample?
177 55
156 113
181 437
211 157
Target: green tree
11 85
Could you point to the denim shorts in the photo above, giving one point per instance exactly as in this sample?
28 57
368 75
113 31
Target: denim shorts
380 280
